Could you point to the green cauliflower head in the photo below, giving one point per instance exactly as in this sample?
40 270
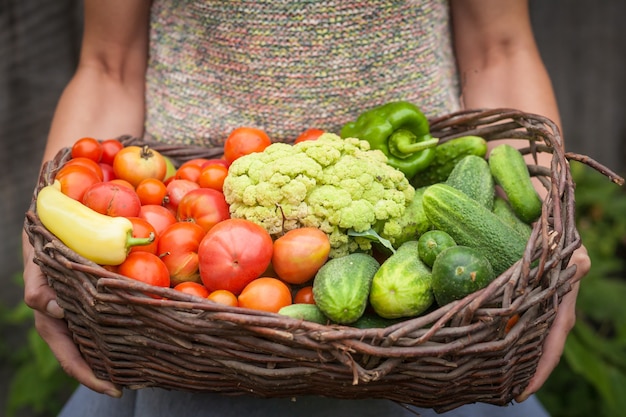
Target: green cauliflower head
334 184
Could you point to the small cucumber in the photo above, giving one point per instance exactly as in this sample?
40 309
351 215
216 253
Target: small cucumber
447 155
341 286
510 172
503 209
431 244
459 271
402 285
307 312
473 176
471 224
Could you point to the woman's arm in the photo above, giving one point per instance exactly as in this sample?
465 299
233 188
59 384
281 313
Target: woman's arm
105 98
500 66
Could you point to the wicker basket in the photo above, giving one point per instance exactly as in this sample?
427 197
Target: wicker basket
457 354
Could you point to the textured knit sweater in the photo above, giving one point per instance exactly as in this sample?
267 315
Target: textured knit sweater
288 65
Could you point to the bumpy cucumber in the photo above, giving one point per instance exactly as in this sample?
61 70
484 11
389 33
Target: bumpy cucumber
446 157
510 172
341 287
472 176
307 312
503 210
471 224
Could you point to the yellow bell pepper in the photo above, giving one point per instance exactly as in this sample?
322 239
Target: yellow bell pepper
103 239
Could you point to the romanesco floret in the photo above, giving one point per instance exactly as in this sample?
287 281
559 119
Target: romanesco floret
334 184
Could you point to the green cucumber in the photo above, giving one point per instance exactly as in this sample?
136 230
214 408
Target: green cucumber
459 271
510 172
471 224
413 223
503 209
447 155
472 175
431 244
341 286
402 285
306 312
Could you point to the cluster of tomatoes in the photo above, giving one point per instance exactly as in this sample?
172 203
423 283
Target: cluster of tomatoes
196 247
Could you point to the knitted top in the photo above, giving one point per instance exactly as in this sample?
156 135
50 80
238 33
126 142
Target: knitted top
288 65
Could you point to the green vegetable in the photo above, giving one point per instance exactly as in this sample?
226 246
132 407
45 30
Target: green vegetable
510 172
306 312
336 185
447 155
431 244
459 271
503 209
401 131
471 224
472 176
372 321
341 287
402 285
412 224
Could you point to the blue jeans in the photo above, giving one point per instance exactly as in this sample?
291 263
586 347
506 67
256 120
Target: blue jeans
153 402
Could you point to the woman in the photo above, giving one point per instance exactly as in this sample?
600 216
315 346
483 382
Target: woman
191 71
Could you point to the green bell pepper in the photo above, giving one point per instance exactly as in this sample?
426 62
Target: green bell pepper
401 131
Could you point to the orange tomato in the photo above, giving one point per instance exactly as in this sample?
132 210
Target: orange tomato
88 148
136 163
151 191
243 141
212 176
299 254
266 294
145 267
193 288
87 163
224 297
309 134
189 172
75 180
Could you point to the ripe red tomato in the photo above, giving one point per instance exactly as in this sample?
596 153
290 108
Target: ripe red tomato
87 163
243 141
233 253
309 134
299 254
112 199
110 148
145 267
176 190
212 176
75 180
304 295
107 171
142 228
204 206
178 248
151 191
266 294
88 148
214 161
188 172
136 163
193 288
158 216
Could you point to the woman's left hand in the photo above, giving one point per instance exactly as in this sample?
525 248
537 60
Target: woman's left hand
563 323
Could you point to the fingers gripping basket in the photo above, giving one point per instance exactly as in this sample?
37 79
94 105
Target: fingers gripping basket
460 353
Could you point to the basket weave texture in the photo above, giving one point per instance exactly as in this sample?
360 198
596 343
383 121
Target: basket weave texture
457 354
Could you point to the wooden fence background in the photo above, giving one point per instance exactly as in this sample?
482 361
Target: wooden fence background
583 43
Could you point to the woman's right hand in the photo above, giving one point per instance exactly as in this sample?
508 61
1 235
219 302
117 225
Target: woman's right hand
51 326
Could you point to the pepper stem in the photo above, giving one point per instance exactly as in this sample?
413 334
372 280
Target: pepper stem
403 143
139 241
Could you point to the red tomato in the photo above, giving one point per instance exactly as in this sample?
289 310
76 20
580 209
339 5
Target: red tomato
136 163
212 176
158 216
75 180
145 267
188 172
193 288
122 183
110 148
218 161
178 248
243 141
195 161
299 254
88 148
304 295
233 253
87 163
204 206
107 171
176 190
224 297
142 228
309 134
151 191
112 199
266 294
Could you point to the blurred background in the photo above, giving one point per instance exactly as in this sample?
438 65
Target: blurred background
583 43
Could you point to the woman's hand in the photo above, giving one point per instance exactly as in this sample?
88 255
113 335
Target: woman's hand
563 323
53 329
